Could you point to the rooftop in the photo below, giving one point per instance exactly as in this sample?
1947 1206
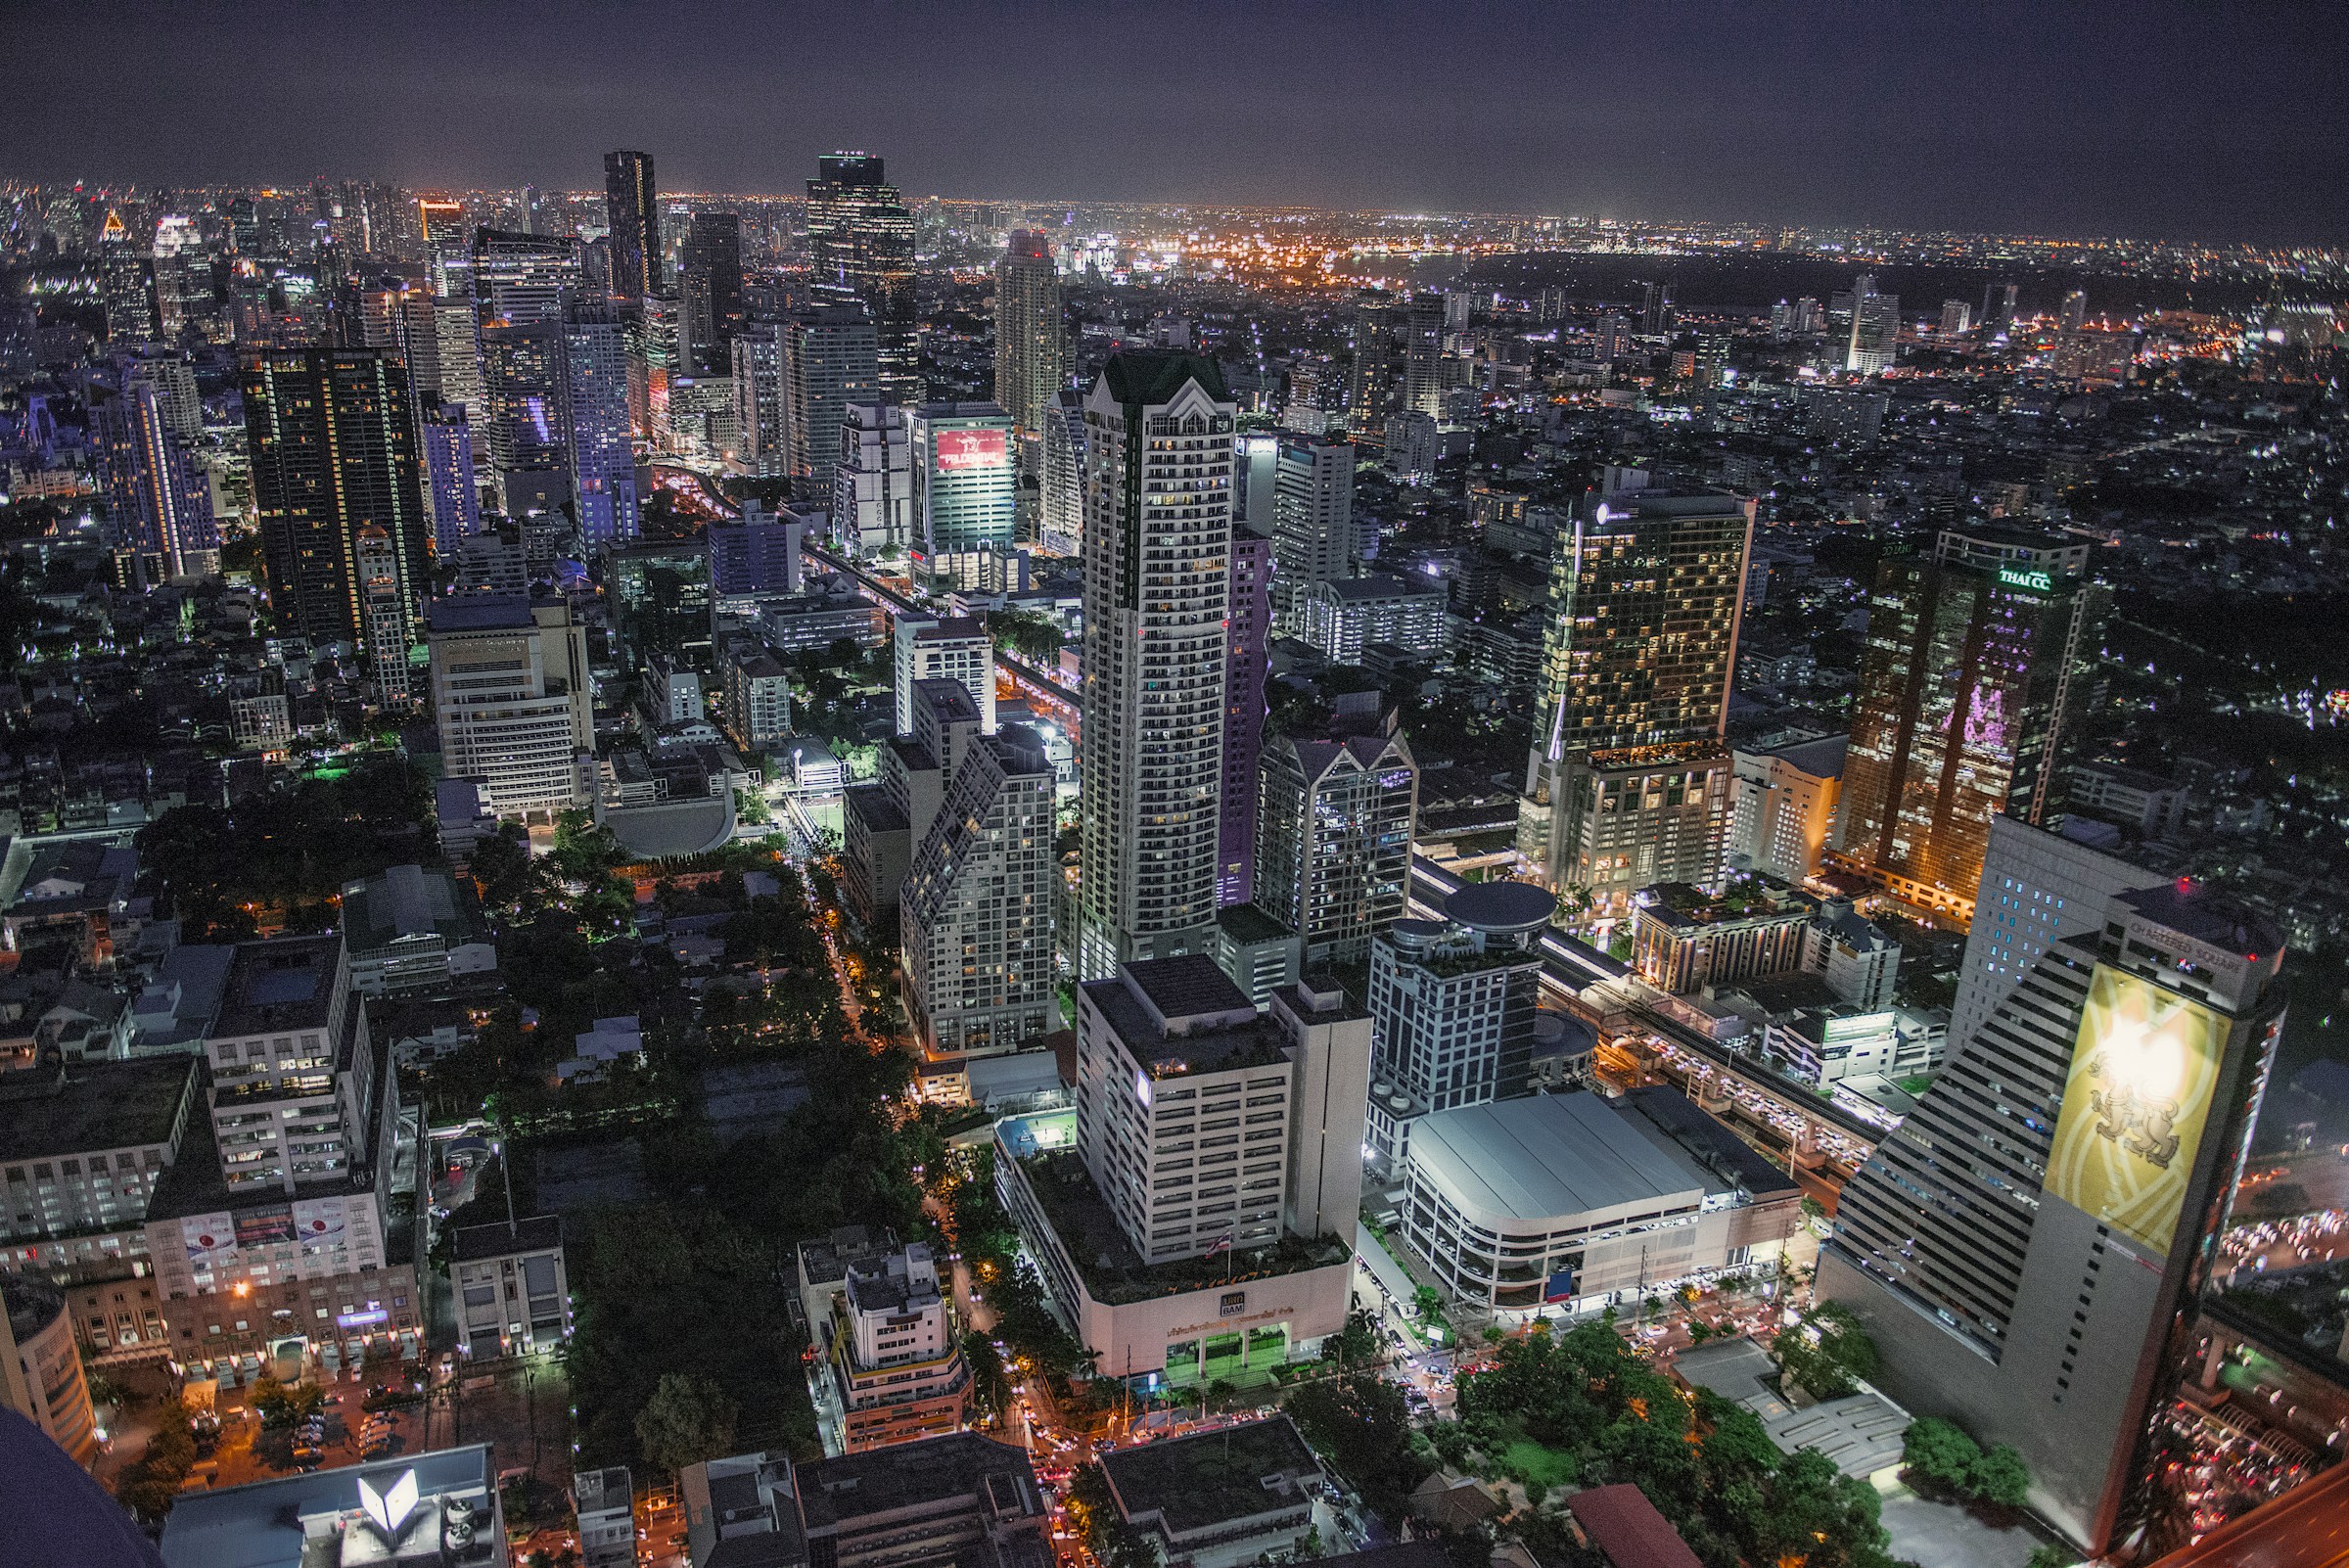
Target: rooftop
540 1232
1550 1156
1185 1015
407 900
283 983
92 1106
1628 1530
1678 904
259 1525
1214 1478
479 612
836 1494
1142 376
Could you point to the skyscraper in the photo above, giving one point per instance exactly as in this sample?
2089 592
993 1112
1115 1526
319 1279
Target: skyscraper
1313 537
710 309
1250 620
872 481
334 452
634 212
1061 497
830 360
860 237
1876 330
387 609
957 649
2075 310
449 491
1629 782
2028 1246
125 284
1376 379
965 490
513 698
976 910
1157 539
1970 686
759 446
1333 847
523 278
1029 349
1655 309
159 502
1423 355
596 431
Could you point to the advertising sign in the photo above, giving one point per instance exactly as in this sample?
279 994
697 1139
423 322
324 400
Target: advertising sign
1559 1286
318 1223
960 449
2143 1072
265 1226
210 1240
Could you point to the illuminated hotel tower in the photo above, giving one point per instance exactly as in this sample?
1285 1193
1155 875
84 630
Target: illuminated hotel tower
1157 538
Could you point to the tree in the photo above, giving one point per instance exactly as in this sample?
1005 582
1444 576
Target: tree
1093 1510
1355 1344
1998 1477
2051 1554
688 1419
1938 1455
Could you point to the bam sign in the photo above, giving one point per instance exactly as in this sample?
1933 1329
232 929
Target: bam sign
2143 1072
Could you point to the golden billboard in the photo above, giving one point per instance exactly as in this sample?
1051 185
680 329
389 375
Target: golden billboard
2144 1070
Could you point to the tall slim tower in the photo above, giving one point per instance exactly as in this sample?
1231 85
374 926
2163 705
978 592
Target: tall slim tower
334 453
1629 781
860 236
1376 379
709 293
830 360
1314 536
158 503
596 428
634 214
1028 338
1977 662
1251 622
1157 543
2029 1247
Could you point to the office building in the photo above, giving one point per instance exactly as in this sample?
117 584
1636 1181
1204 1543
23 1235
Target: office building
965 491
710 309
1684 939
444 432
962 1497
884 822
1655 309
887 1364
183 277
1250 620
411 931
1784 817
757 553
1185 1496
456 357
829 363
976 904
597 435
1875 339
1313 534
1375 382
1333 848
2040 887
1627 783
1029 339
1060 501
1559 1204
956 648
1957 318
83 1142
1422 327
1611 341
1452 1009
523 278
334 453
512 695
159 501
860 237
2025 1247
662 599
172 381
1184 1263
439 1507
1342 619
1157 542
510 1288
1256 456
761 447
125 285
632 212
1977 662
872 486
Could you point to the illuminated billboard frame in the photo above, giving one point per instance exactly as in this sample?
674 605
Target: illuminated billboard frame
2145 1071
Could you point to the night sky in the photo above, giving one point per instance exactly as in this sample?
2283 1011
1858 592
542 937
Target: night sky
2155 118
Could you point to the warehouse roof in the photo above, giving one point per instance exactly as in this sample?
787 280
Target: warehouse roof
1549 1156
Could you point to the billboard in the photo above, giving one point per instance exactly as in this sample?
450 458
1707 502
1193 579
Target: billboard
265 1226
318 1223
210 1240
960 449
2143 1072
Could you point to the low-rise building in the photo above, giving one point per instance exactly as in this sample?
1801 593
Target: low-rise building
40 1364
1684 939
1340 616
512 1291
603 1505
758 698
890 1368
412 932
963 1499
439 1507
1563 1203
1219 1499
